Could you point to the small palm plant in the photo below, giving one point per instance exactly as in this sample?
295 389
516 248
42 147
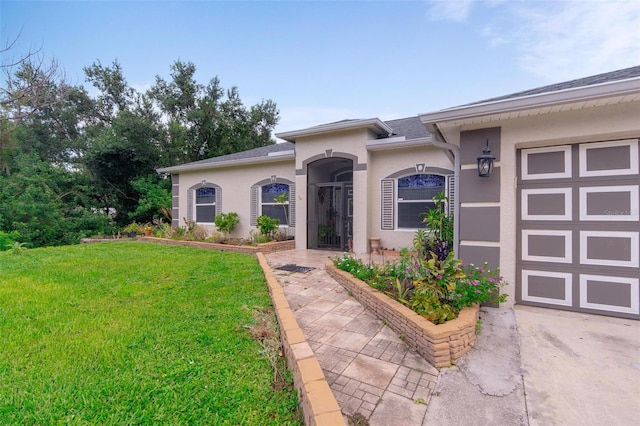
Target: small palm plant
16 247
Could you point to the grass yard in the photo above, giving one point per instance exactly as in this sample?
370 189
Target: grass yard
136 333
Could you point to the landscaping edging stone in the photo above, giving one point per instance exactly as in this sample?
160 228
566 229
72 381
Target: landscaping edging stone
319 405
260 248
441 345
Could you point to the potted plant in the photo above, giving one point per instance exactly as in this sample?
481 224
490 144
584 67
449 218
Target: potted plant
132 229
148 229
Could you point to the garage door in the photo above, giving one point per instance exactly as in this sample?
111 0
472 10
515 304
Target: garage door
578 235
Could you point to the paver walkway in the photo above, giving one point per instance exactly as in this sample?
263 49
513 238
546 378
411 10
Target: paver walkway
373 374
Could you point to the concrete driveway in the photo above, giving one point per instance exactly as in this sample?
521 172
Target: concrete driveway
543 367
579 369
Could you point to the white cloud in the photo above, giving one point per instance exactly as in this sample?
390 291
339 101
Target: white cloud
449 10
563 40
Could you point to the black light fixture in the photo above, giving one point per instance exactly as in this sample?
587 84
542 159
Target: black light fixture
485 162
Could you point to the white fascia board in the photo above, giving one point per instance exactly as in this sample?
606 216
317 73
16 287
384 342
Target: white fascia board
281 153
578 94
395 143
381 127
228 163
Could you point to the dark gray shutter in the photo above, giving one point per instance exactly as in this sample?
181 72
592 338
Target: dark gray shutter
451 180
387 195
190 201
253 215
218 200
292 205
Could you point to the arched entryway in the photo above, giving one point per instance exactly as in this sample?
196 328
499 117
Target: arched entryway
330 204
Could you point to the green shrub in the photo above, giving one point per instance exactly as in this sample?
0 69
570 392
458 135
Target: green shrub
267 225
7 239
226 222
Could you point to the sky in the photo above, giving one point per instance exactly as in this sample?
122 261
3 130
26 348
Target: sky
323 61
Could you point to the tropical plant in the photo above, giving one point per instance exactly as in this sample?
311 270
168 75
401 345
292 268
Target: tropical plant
16 247
282 200
437 236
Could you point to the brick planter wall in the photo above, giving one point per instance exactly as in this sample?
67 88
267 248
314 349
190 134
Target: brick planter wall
441 345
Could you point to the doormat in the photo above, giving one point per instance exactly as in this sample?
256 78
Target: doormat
295 268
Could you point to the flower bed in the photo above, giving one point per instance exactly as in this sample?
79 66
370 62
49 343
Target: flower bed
441 345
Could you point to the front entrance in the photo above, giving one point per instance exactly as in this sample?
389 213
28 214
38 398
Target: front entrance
330 205
334 216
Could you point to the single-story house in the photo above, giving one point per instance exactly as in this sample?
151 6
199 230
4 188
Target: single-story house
559 213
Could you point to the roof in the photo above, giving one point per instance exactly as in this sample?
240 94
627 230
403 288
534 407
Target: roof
410 127
274 152
602 89
374 124
579 82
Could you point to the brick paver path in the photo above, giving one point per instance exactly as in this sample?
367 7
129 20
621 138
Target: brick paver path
370 370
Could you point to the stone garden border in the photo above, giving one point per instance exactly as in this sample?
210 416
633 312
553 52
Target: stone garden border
441 345
319 405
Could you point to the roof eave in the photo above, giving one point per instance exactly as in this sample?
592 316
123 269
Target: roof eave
379 126
396 143
228 163
579 94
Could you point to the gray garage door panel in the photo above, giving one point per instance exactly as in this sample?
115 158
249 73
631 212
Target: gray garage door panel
578 238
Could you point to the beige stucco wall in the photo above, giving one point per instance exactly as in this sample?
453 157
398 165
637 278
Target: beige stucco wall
236 185
352 142
385 163
593 124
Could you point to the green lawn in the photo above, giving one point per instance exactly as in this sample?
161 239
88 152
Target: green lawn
135 333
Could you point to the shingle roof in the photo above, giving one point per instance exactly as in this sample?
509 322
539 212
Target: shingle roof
607 77
263 151
410 127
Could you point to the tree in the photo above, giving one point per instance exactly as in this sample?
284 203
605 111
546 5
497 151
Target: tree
202 123
30 84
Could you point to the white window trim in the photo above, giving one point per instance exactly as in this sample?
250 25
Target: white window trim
260 203
195 204
397 199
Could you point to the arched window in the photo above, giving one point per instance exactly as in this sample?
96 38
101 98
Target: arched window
205 205
272 208
263 201
415 197
204 202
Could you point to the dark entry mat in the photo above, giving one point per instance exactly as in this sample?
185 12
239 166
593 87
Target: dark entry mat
295 268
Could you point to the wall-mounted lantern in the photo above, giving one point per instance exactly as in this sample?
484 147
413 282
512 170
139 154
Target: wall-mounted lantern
485 162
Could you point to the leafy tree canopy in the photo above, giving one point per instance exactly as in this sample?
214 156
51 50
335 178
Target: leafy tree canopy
73 164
